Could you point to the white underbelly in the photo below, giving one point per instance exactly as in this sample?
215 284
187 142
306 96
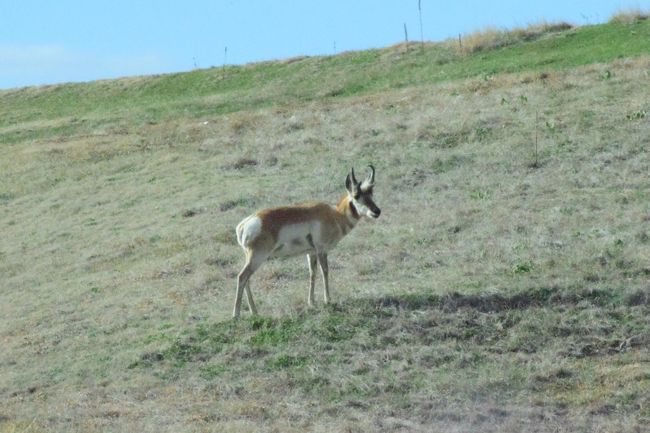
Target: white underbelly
298 239
288 250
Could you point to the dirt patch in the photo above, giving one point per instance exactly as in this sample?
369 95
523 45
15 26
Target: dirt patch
602 347
244 162
189 213
640 297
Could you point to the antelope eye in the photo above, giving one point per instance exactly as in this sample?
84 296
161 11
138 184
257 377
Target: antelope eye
357 196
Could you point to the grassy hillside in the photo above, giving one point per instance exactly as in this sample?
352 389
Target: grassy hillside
504 288
219 91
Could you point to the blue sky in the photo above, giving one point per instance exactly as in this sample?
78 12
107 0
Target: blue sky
45 42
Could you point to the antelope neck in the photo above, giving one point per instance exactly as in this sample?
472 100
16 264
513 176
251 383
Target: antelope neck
349 214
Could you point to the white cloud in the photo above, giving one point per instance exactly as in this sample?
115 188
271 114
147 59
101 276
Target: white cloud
25 62
21 55
24 65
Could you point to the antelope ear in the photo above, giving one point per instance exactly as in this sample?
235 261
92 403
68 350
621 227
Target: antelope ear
369 181
371 175
352 185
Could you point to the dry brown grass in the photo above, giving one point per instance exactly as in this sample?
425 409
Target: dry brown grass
492 37
629 16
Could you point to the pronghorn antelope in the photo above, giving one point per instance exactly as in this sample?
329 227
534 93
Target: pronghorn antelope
311 228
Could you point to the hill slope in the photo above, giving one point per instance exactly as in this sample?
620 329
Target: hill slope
504 288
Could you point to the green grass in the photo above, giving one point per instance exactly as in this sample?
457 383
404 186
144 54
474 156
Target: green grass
537 345
219 91
501 290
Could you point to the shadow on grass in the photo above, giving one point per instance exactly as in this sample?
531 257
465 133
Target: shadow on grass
369 320
497 302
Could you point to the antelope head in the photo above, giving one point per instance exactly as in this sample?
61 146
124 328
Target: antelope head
360 194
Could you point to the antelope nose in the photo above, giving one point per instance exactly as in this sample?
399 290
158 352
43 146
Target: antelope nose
377 213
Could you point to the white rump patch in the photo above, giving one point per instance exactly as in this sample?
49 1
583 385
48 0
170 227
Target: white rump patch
249 229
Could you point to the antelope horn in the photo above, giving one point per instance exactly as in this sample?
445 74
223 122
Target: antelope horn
354 179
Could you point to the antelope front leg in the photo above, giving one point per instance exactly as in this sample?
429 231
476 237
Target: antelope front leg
324 269
311 258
